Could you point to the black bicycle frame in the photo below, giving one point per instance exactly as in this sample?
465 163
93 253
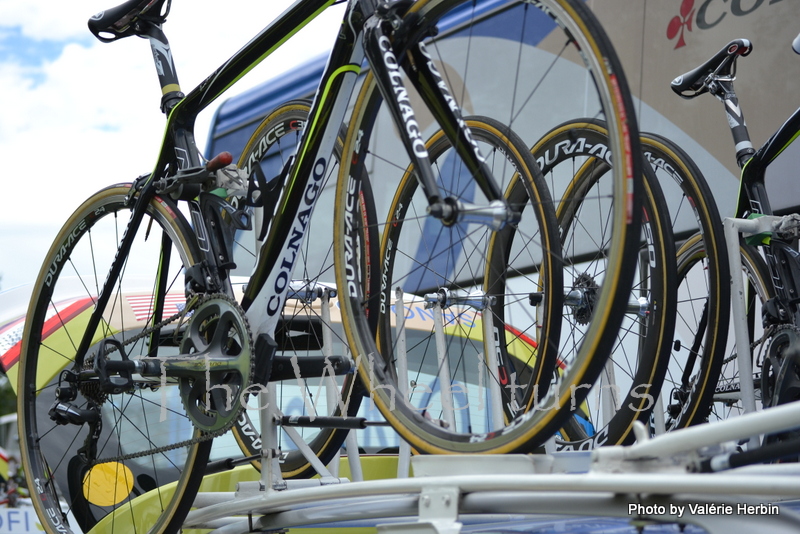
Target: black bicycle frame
361 35
782 258
755 168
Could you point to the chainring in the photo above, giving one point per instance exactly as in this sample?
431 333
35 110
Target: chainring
780 376
218 339
780 373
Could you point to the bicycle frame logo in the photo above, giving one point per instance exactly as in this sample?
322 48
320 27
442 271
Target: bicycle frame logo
292 246
708 14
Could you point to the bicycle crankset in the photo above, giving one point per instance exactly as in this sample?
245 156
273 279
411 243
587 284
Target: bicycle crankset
780 375
216 364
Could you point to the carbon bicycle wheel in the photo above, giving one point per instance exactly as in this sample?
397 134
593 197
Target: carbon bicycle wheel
306 331
576 163
121 460
703 312
534 88
461 345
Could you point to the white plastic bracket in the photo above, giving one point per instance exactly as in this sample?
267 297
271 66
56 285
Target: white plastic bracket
438 513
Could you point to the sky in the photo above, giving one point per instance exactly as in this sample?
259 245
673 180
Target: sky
77 114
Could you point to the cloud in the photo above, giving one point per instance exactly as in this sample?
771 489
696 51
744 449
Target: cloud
40 19
80 114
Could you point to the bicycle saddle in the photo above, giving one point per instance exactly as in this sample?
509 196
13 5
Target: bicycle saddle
120 21
723 63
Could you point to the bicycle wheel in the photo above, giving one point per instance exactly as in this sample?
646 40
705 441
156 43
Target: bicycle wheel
140 465
726 400
479 350
704 292
531 90
304 331
626 389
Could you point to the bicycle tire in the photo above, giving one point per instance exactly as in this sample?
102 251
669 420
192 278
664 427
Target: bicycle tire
634 372
704 294
367 147
274 140
517 352
689 194
124 495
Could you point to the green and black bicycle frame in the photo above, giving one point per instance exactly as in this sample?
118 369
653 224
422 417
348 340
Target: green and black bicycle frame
782 257
375 31
781 253
716 76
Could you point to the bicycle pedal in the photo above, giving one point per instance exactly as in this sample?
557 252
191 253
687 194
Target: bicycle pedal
341 423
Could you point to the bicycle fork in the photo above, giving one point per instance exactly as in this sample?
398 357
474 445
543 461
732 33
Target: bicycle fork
383 54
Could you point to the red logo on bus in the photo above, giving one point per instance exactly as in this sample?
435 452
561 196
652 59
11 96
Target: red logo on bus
681 23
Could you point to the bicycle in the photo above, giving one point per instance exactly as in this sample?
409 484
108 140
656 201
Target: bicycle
766 315
120 397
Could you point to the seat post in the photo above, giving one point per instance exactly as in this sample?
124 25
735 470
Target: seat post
723 90
171 92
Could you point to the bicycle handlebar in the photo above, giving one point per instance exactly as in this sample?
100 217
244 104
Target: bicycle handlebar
694 82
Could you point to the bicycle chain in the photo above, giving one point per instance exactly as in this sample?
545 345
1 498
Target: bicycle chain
194 302
769 332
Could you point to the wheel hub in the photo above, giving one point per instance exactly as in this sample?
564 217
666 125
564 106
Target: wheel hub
586 288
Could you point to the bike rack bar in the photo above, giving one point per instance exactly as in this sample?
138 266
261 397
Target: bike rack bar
495 393
444 502
610 401
332 392
733 227
437 304
776 419
404 449
482 303
659 421
651 473
271 477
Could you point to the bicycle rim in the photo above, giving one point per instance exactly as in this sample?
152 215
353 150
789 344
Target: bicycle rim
136 482
458 377
521 95
703 309
575 163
